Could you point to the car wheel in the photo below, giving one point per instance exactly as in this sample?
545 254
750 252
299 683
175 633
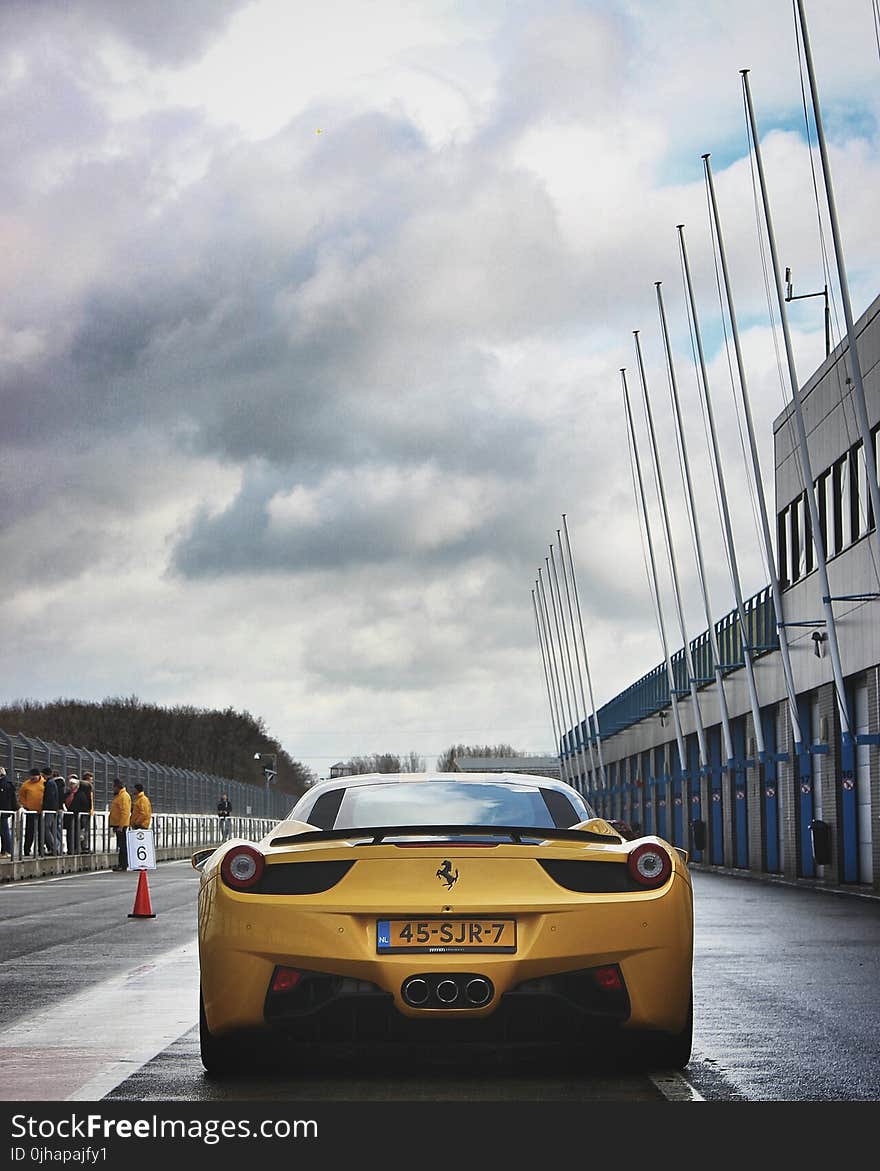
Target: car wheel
673 1050
220 1055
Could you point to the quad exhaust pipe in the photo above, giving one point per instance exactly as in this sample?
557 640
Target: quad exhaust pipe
447 992
416 991
478 991
453 990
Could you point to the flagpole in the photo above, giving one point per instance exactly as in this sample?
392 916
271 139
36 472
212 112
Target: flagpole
670 549
670 673
769 557
577 662
861 409
577 600
698 545
572 722
725 511
803 449
542 593
547 680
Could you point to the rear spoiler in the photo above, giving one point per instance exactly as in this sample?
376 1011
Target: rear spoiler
373 835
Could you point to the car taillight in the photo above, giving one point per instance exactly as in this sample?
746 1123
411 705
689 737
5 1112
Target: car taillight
649 865
609 978
242 867
285 979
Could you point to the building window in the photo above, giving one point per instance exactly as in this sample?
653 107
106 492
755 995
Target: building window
795 545
793 534
863 520
808 550
845 511
842 511
825 510
855 506
782 546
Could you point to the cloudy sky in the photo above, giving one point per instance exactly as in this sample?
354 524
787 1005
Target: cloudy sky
311 323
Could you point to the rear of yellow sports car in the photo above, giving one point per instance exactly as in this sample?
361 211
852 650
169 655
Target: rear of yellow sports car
357 937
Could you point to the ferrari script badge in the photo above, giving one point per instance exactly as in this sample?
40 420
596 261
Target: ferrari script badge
447 874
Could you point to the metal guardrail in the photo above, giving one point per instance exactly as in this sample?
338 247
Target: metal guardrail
63 834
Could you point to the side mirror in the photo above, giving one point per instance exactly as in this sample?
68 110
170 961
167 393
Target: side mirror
698 833
200 857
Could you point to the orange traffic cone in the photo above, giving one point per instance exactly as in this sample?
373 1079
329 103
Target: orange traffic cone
142 907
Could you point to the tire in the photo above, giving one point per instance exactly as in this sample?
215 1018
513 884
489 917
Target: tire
673 1050
645 1051
220 1055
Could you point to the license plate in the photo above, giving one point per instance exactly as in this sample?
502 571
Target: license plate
444 935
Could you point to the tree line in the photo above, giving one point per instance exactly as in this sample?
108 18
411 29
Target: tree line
386 762
446 759
223 743
390 762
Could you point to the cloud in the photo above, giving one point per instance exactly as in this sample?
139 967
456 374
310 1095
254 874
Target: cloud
315 403
162 34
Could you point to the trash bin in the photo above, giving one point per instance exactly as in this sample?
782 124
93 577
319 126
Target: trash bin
698 834
820 831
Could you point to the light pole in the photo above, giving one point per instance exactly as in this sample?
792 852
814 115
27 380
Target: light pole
269 772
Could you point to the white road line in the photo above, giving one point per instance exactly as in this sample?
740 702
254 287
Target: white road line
14 884
84 1046
675 1088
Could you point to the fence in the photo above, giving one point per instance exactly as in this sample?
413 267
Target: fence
650 694
171 789
63 843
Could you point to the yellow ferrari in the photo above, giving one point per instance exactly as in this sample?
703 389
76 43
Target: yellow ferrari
433 905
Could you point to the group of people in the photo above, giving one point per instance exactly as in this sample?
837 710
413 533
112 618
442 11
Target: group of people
45 791
126 814
60 812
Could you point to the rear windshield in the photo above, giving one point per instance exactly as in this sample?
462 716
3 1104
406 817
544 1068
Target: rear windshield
451 803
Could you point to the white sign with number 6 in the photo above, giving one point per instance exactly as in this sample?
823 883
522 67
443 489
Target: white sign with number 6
141 850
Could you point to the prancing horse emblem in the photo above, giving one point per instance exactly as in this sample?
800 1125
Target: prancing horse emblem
447 874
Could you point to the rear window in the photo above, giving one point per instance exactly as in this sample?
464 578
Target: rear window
450 803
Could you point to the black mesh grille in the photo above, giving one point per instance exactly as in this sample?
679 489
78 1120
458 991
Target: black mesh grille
301 878
590 877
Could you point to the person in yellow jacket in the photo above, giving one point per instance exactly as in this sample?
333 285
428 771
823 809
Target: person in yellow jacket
30 797
142 810
119 819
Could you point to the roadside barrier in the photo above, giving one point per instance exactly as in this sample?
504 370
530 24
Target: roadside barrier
64 843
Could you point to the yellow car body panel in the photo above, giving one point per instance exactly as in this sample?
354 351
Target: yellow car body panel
243 936
385 907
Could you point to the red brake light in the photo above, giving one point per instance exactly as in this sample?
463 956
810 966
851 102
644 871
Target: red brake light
649 865
242 867
609 979
286 979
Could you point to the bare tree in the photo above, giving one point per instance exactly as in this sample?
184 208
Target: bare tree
376 762
412 763
446 760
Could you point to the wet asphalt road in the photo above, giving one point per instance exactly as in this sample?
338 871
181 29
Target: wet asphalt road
786 1004
786 986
